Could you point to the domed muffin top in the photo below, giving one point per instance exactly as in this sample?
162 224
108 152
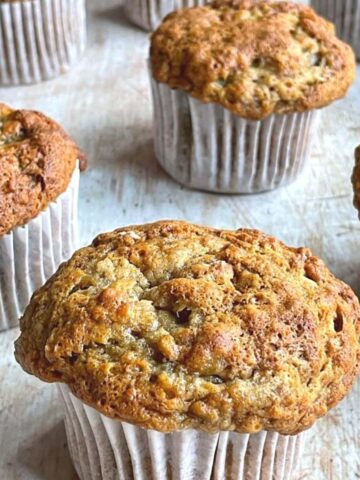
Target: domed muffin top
37 159
356 180
173 326
253 57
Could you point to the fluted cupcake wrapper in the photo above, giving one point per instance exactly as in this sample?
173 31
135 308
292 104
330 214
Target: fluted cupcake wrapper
205 146
148 14
102 448
345 14
40 39
29 255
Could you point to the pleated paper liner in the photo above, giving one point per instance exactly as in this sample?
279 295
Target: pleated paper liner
206 147
345 14
40 39
106 449
29 255
148 14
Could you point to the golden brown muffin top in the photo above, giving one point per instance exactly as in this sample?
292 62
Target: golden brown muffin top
172 326
356 180
253 57
37 159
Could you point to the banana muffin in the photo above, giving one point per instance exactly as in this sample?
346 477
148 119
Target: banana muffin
345 14
38 205
237 86
41 39
147 14
174 327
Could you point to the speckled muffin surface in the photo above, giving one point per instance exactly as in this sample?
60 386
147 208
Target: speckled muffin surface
253 57
356 179
172 326
37 159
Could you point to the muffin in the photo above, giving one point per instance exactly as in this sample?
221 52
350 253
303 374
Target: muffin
345 14
39 179
356 180
183 351
147 14
41 39
237 87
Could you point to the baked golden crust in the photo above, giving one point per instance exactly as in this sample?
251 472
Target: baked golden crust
356 179
253 57
37 159
173 326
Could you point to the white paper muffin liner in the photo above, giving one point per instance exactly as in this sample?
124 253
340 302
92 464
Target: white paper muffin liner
205 146
40 39
106 449
29 255
345 14
148 14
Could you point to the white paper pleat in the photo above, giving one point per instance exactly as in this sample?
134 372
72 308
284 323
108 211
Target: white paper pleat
106 449
40 39
345 14
148 14
205 146
29 255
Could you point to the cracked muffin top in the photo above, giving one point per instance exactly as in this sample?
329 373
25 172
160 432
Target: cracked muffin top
253 57
356 180
37 159
172 326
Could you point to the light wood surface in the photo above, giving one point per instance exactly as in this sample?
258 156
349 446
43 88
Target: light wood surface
105 104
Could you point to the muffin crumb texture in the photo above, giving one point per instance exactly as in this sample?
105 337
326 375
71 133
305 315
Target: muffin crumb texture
172 326
253 57
37 159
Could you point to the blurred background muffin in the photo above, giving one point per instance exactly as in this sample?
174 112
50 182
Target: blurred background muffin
40 38
237 87
345 14
186 352
39 179
147 14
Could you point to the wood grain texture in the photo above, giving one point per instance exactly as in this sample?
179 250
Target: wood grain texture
105 104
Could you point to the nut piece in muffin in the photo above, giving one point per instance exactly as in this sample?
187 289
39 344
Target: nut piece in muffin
173 326
253 57
356 180
37 160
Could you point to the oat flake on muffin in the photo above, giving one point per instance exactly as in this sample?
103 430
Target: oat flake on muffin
172 326
253 57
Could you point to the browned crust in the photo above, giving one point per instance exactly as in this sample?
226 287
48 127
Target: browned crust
172 326
356 180
253 57
37 159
